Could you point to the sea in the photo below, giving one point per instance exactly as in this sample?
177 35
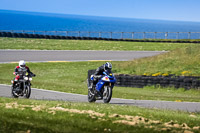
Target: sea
80 25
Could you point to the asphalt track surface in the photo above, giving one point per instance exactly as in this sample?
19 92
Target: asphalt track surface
7 56
41 94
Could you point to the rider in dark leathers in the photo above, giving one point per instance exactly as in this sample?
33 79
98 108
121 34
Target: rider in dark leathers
20 71
99 72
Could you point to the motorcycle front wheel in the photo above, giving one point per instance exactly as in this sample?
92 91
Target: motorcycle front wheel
27 91
91 95
107 94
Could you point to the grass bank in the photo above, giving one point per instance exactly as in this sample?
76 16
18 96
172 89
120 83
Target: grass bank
51 44
22 115
174 62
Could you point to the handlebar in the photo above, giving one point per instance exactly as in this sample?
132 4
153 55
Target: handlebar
107 74
31 75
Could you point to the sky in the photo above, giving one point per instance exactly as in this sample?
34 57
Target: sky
178 10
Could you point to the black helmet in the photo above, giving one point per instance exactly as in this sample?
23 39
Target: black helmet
107 66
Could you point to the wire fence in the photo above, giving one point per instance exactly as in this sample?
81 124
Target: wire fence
115 35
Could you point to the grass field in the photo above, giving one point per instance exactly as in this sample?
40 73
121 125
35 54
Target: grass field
25 116
43 116
71 76
50 44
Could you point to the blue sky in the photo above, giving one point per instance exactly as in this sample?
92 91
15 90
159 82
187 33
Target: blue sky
181 10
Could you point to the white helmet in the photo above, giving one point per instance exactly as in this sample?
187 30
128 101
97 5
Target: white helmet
22 64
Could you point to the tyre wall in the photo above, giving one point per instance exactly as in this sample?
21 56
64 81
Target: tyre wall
186 82
90 72
139 81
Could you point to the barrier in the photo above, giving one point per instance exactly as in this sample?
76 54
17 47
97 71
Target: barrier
141 81
28 34
186 82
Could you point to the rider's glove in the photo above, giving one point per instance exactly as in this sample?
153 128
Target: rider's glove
15 73
98 76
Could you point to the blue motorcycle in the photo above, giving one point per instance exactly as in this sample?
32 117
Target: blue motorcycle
103 88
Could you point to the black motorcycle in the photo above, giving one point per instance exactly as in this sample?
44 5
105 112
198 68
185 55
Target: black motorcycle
22 87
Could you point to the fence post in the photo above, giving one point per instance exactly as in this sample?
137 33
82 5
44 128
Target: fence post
166 35
189 35
110 34
79 34
177 35
132 35
199 36
122 35
155 35
99 34
88 34
143 35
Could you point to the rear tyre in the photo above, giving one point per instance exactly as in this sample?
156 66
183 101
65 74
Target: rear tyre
107 94
91 95
13 93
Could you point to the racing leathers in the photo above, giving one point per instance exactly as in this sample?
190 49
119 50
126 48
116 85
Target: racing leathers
98 74
20 72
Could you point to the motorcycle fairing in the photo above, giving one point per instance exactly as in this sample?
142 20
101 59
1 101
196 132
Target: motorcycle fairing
99 85
104 80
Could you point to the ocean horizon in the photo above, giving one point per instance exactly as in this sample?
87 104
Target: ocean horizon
36 21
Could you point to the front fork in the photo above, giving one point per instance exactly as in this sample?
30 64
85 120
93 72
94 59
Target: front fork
27 83
106 88
22 86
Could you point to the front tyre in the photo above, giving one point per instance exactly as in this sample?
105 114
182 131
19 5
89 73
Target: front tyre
27 91
91 95
107 94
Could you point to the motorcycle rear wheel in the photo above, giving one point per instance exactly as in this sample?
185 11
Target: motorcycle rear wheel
107 94
13 94
91 95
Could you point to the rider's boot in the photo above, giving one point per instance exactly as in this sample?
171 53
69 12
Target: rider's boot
98 95
91 85
13 83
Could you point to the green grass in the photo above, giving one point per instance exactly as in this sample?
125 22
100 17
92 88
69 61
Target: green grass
23 115
72 77
50 44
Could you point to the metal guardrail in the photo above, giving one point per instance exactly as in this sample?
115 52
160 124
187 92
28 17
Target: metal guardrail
115 35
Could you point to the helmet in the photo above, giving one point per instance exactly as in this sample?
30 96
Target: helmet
22 64
107 66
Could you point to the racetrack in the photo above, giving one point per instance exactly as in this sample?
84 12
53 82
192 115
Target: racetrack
5 91
8 56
